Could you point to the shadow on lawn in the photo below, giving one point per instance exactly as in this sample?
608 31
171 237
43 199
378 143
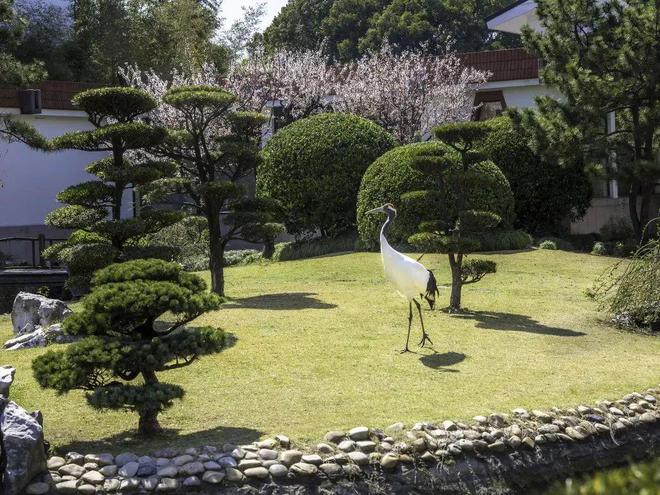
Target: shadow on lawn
492 320
440 362
280 301
129 440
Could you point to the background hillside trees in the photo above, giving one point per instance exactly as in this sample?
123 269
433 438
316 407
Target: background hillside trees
14 72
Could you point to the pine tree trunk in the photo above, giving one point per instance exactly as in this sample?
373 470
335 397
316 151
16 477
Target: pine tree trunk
645 211
148 424
269 249
216 251
455 262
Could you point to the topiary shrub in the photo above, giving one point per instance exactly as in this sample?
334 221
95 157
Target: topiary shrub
600 249
123 342
549 245
503 240
546 194
391 179
313 167
288 251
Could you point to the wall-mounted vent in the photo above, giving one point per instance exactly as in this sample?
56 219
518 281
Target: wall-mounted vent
30 100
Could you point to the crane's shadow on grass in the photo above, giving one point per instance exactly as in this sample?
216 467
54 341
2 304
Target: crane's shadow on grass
442 362
510 322
280 301
129 440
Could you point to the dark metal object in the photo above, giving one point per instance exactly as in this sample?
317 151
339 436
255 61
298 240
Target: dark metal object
30 100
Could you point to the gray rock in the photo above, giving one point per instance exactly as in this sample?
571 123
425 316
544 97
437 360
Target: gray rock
125 458
183 459
213 477
248 464
212 466
69 486
324 448
191 468
359 433
233 474
129 469
366 446
193 481
168 472
449 425
549 428
167 485
36 338
269 443
278 470
290 457
359 458
6 378
256 472
331 470
267 454
147 469
497 446
228 462
108 471
346 446
111 485
55 462
87 489
312 459
396 427
22 446
335 436
389 461
304 470
32 310
75 458
150 484
93 478
283 440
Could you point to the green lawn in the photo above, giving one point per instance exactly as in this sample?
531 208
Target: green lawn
316 348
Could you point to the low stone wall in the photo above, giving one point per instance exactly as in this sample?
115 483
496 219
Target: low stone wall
507 452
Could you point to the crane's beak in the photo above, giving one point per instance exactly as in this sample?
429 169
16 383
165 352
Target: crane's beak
376 210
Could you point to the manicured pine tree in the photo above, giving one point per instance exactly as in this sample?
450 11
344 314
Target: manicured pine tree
123 342
216 148
103 233
457 212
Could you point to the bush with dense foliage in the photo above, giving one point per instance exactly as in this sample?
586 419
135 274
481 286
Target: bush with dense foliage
471 196
310 248
392 178
546 194
313 167
630 290
123 341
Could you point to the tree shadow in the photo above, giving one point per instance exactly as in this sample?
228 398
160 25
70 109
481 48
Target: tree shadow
440 362
230 338
510 322
129 440
280 301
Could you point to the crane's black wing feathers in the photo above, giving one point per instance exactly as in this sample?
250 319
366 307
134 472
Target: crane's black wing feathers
431 290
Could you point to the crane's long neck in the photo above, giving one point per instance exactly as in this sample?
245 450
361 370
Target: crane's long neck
390 218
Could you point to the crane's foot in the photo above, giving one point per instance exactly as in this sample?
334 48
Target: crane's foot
405 350
425 339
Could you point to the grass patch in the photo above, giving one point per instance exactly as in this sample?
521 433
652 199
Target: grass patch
317 348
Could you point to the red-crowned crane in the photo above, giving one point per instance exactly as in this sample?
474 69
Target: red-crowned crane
410 278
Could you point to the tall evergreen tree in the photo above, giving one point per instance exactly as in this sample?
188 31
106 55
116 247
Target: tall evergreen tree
216 148
604 57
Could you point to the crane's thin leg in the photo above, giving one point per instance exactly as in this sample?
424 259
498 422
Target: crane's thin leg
405 349
425 336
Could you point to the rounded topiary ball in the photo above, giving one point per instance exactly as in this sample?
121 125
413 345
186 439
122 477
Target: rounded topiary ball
391 176
313 167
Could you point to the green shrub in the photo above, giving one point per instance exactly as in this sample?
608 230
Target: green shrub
600 249
313 167
548 244
637 479
288 251
391 179
545 193
630 291
242 257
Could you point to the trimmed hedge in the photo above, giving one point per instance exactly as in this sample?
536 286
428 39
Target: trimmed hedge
545 194
391 177
314 167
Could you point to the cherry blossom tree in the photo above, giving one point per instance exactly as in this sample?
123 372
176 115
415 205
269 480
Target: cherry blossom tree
409 93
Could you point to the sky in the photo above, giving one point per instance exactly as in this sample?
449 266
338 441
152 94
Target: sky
231 9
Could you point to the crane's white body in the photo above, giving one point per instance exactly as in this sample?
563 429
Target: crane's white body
409 277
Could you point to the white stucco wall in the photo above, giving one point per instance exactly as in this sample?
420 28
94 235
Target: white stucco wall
31 179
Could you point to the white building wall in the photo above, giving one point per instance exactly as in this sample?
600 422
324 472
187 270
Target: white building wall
31 179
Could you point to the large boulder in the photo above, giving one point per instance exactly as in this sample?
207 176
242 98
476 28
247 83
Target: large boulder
23 450
6 379
33 310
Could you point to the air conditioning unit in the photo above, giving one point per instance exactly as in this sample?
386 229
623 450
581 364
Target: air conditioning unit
30 100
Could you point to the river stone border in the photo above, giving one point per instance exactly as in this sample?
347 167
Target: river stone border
515 450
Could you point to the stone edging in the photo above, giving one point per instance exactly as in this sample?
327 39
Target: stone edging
531 440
